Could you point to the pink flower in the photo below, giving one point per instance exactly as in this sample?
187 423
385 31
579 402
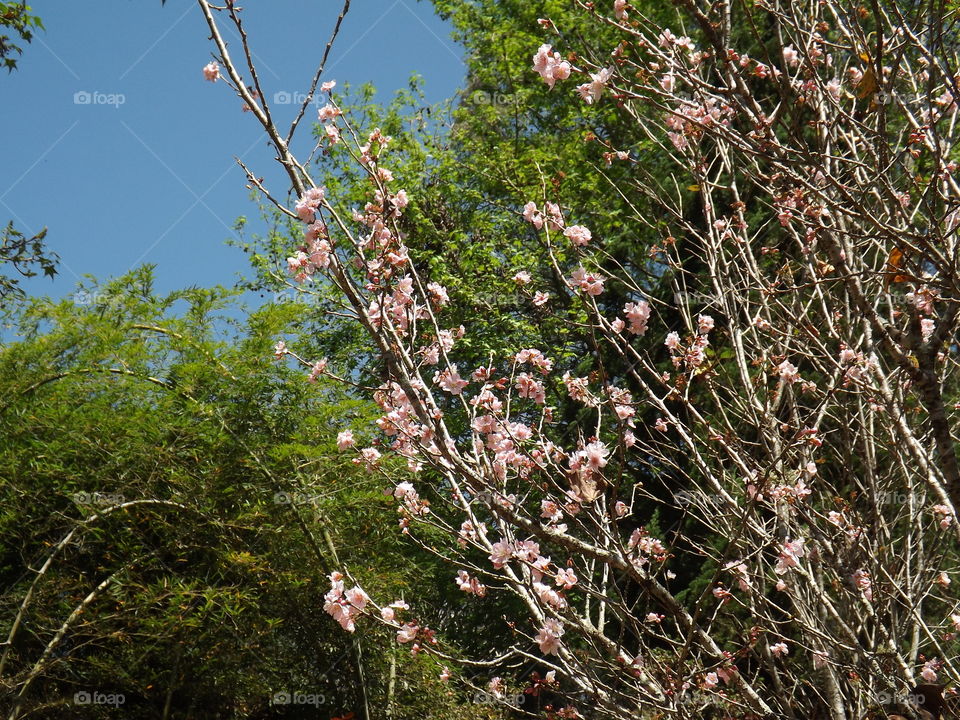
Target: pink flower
927 326
317 370
407 632
549 636
450 380
333 133
788 371
710 680
661 425
861 579
211 71
549 510
588 282
620 9
307 205
653 618
445 674
944 514
638 314
522 278
345 440
929 673
833 89
591 91
566 578
578 235
790 555
790 56
621 509
779 649
704 324
541 298
500 554
357 597
673 341
532 215
328 112
280 349
328 85
550 66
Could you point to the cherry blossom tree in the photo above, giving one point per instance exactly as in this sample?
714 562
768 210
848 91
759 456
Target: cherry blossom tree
793 401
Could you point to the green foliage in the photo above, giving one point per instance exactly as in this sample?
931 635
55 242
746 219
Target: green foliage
199 486
16 17
26 256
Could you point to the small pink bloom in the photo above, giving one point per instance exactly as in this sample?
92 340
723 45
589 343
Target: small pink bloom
578 235
211 71
345 440
407 632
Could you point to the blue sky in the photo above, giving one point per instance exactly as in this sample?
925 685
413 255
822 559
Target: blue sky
114 141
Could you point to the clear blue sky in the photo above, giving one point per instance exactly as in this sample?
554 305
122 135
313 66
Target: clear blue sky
152 179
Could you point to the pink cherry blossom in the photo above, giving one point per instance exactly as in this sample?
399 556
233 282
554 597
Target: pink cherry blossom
861 579
549 636
590 92
566 579
790 555
790 56
333 133
779 649
328 85
317 370
500 554
638 314
550 66
450 380
578 235
532 215
328 112
407 633
788 371
590 283
211 71
345 440
620 9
